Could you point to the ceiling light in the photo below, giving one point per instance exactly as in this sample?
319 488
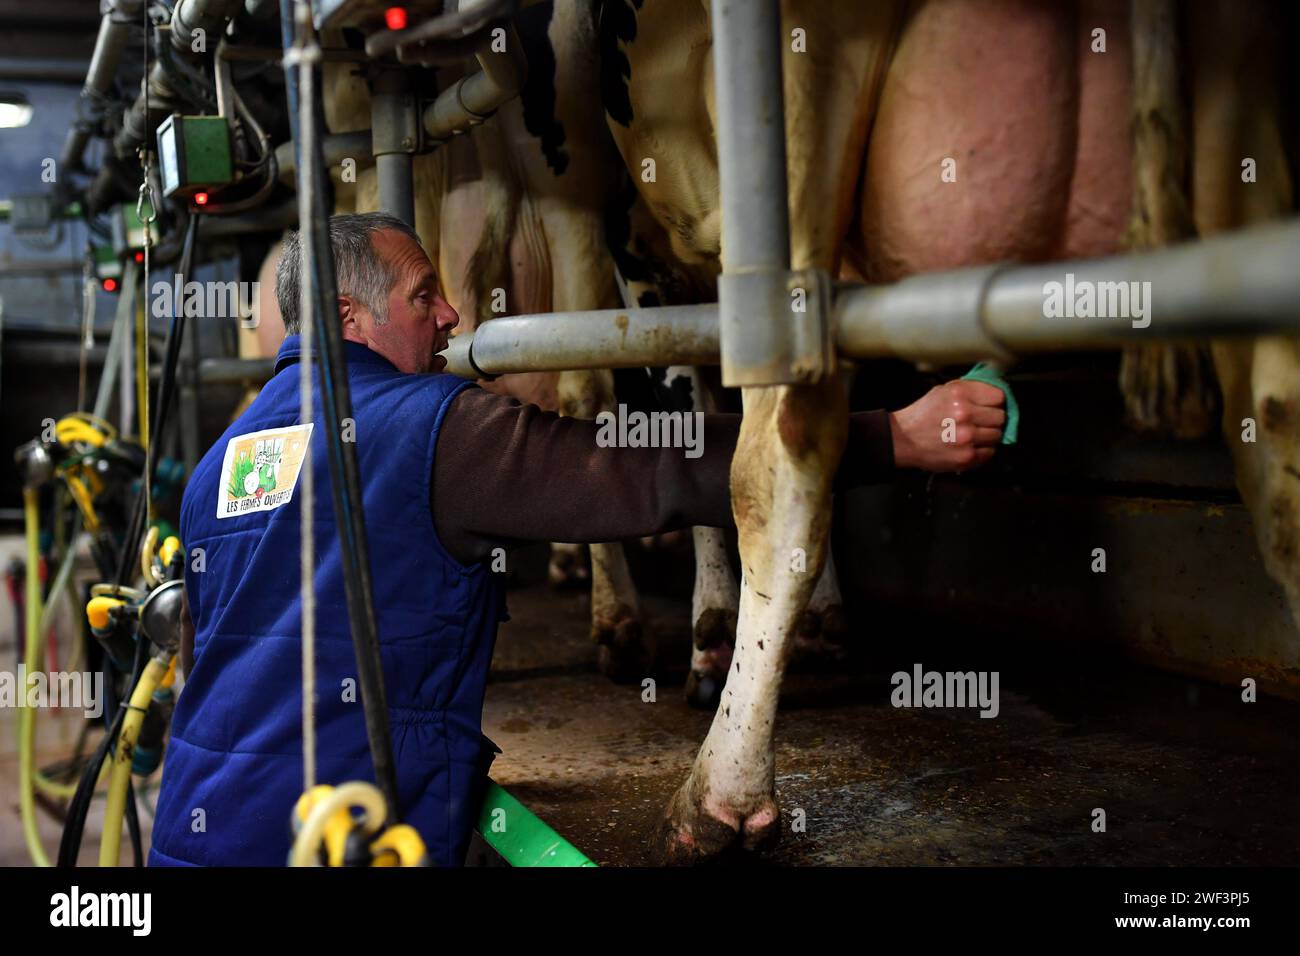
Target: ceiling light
15 111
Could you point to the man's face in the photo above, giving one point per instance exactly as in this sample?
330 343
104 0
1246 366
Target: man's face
419 318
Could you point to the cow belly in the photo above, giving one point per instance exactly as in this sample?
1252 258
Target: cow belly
1008 100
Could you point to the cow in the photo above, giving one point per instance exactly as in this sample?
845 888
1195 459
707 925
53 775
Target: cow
1060 121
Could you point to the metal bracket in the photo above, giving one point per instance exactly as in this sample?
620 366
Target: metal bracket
795 351
395 121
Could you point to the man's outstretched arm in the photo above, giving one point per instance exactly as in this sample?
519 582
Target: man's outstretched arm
506 473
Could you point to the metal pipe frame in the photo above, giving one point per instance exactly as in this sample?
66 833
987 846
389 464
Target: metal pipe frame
141 121
114 30
395 125
210 16
604 338
1243 283
337 147
476 96
758 340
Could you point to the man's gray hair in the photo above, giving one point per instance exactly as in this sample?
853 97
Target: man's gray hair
359 271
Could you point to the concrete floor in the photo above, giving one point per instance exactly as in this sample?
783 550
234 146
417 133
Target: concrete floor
1186 772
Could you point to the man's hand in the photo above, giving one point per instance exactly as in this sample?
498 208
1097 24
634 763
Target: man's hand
952 427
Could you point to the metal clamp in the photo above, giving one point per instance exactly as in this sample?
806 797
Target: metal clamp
797 350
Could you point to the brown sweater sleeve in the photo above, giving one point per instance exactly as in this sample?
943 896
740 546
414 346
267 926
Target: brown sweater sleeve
506 473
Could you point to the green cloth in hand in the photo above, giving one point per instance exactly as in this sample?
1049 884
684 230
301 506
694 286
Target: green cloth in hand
983 372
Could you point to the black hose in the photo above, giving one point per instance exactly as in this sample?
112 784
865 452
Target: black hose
75 823
166 386
133 825
345 474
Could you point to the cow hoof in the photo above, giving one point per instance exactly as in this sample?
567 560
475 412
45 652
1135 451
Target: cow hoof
835 623
667 541
622 654
568 570
714 627
819 637
704 691
689 834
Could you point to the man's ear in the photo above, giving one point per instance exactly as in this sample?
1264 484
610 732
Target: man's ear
350 314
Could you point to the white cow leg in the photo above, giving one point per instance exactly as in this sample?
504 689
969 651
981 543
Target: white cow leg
624 653
822 626
713 618
1238 103
790 442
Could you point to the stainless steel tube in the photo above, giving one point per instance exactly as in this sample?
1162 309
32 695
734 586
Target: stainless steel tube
757 331
1243 283
1246 283
605 338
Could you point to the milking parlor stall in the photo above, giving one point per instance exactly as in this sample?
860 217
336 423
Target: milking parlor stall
901 449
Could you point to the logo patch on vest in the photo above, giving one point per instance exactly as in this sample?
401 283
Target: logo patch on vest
260 470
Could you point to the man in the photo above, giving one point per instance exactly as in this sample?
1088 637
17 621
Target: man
450 472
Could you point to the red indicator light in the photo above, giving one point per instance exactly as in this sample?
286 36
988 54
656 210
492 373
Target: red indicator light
395 17
200 199
110 285
139 257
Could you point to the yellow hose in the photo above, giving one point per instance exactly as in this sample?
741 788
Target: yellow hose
327 808
115 810
27 716
59 587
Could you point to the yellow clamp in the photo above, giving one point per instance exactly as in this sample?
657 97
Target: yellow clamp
99 611
155 571
170 546
323 817
85 497
399 846
85 428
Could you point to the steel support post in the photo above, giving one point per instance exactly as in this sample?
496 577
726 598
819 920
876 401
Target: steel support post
395 124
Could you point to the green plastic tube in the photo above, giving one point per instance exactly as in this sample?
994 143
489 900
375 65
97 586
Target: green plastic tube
520 836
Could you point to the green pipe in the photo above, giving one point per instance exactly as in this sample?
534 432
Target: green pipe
520 836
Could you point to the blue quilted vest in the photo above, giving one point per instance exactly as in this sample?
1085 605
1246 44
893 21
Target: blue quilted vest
234 766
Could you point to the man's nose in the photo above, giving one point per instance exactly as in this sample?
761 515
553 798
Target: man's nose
447 317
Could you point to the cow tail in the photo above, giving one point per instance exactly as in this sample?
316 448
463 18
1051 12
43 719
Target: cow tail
1165 386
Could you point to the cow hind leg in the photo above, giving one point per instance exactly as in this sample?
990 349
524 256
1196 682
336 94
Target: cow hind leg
1238 101
822 626
790 443
713 618
716 596
624 653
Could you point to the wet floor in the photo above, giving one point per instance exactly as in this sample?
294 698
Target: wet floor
1185 772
